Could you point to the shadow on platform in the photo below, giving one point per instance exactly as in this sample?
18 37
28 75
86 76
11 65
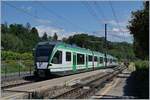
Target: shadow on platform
135 88
36 79
129 88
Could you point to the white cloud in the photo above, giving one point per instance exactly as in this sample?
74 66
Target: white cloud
43 21
49 30
114 29
113 35
116 35
114 23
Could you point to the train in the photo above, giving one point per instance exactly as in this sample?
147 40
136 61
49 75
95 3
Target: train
59 58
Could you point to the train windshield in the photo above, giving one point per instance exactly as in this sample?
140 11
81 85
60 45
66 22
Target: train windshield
43 52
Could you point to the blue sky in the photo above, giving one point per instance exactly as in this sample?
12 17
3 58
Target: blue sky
68 18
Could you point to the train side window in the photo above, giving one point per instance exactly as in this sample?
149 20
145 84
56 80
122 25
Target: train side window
57 59
68 56
107 60
110 60
95 58
90 58
80 59
101 60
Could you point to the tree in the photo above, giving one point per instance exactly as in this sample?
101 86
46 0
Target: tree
11 42
28 26
139 27
50 38
121 50
44 37
34 37
4 28
64 39
55 37
17 37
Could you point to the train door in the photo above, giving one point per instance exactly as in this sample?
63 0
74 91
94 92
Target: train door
74 61
86 61
98 60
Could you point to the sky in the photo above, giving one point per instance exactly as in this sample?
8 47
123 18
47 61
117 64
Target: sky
67 18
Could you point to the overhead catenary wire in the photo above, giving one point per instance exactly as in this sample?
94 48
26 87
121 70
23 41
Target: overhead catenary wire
61 17
35 17
91 11
96 17
101 13
104 17
115 17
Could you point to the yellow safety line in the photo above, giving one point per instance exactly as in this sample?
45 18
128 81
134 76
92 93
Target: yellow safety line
109 87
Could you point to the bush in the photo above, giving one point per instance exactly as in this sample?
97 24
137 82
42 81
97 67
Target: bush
27 56
12 66
142 78
142 65
9 55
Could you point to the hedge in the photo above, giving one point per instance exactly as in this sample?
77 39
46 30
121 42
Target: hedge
9 55
142 78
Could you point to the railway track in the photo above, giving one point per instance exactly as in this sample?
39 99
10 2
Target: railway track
85 90
24 78
87 86
15 76
14 83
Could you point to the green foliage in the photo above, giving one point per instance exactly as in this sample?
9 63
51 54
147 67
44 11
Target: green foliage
27 56
12 66
11 42
121 50
9 55
141 65
55 37
142 79
139 27
44 37
17 37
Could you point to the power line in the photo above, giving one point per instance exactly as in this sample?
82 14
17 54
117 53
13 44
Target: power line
35 17
115 17
60 16
99 10
91 11
21 10
103 16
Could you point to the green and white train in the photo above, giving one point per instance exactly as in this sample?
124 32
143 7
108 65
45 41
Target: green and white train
63 59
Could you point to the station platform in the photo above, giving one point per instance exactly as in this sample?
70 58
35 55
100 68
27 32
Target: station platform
23 90
119 88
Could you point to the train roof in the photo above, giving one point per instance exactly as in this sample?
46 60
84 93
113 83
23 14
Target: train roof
59 44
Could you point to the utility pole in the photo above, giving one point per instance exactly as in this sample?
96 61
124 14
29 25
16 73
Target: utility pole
105 45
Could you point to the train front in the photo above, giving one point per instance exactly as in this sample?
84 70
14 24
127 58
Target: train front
42 55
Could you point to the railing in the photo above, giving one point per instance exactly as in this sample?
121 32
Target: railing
13 69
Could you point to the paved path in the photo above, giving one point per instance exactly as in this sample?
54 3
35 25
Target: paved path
119 88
